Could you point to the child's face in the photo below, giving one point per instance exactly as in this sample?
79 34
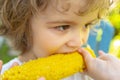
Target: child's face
56 32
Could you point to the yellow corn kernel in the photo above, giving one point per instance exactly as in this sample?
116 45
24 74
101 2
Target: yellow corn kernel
54 67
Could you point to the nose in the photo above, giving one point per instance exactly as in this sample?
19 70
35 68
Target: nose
76 40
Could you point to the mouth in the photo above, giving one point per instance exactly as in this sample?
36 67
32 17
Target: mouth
68 52
65 53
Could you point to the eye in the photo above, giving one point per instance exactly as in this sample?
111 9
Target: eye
91 24
88 25
62 27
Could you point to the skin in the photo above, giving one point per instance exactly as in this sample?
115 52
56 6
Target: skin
105 67
56 32
0 65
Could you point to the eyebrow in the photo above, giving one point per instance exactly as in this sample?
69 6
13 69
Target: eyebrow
93 20
69 22
61 22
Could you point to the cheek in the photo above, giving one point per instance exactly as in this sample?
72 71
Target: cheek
85 36
48 42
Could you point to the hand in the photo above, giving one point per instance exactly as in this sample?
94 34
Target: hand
42 78
105 67
14 64
0 64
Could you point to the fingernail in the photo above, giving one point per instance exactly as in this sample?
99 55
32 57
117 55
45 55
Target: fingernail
79 50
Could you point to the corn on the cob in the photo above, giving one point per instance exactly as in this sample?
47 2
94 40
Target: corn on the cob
52 68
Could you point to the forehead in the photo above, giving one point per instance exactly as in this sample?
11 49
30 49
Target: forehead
64 10
69 5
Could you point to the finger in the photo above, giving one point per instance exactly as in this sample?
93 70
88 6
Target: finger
101 53
1 65
86 55
105 56
87 58
42 78
14 64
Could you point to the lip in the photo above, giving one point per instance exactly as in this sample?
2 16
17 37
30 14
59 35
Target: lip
69 52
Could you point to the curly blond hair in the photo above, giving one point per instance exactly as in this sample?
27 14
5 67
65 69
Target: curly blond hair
15 16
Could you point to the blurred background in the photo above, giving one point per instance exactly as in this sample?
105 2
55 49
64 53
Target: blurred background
106 38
